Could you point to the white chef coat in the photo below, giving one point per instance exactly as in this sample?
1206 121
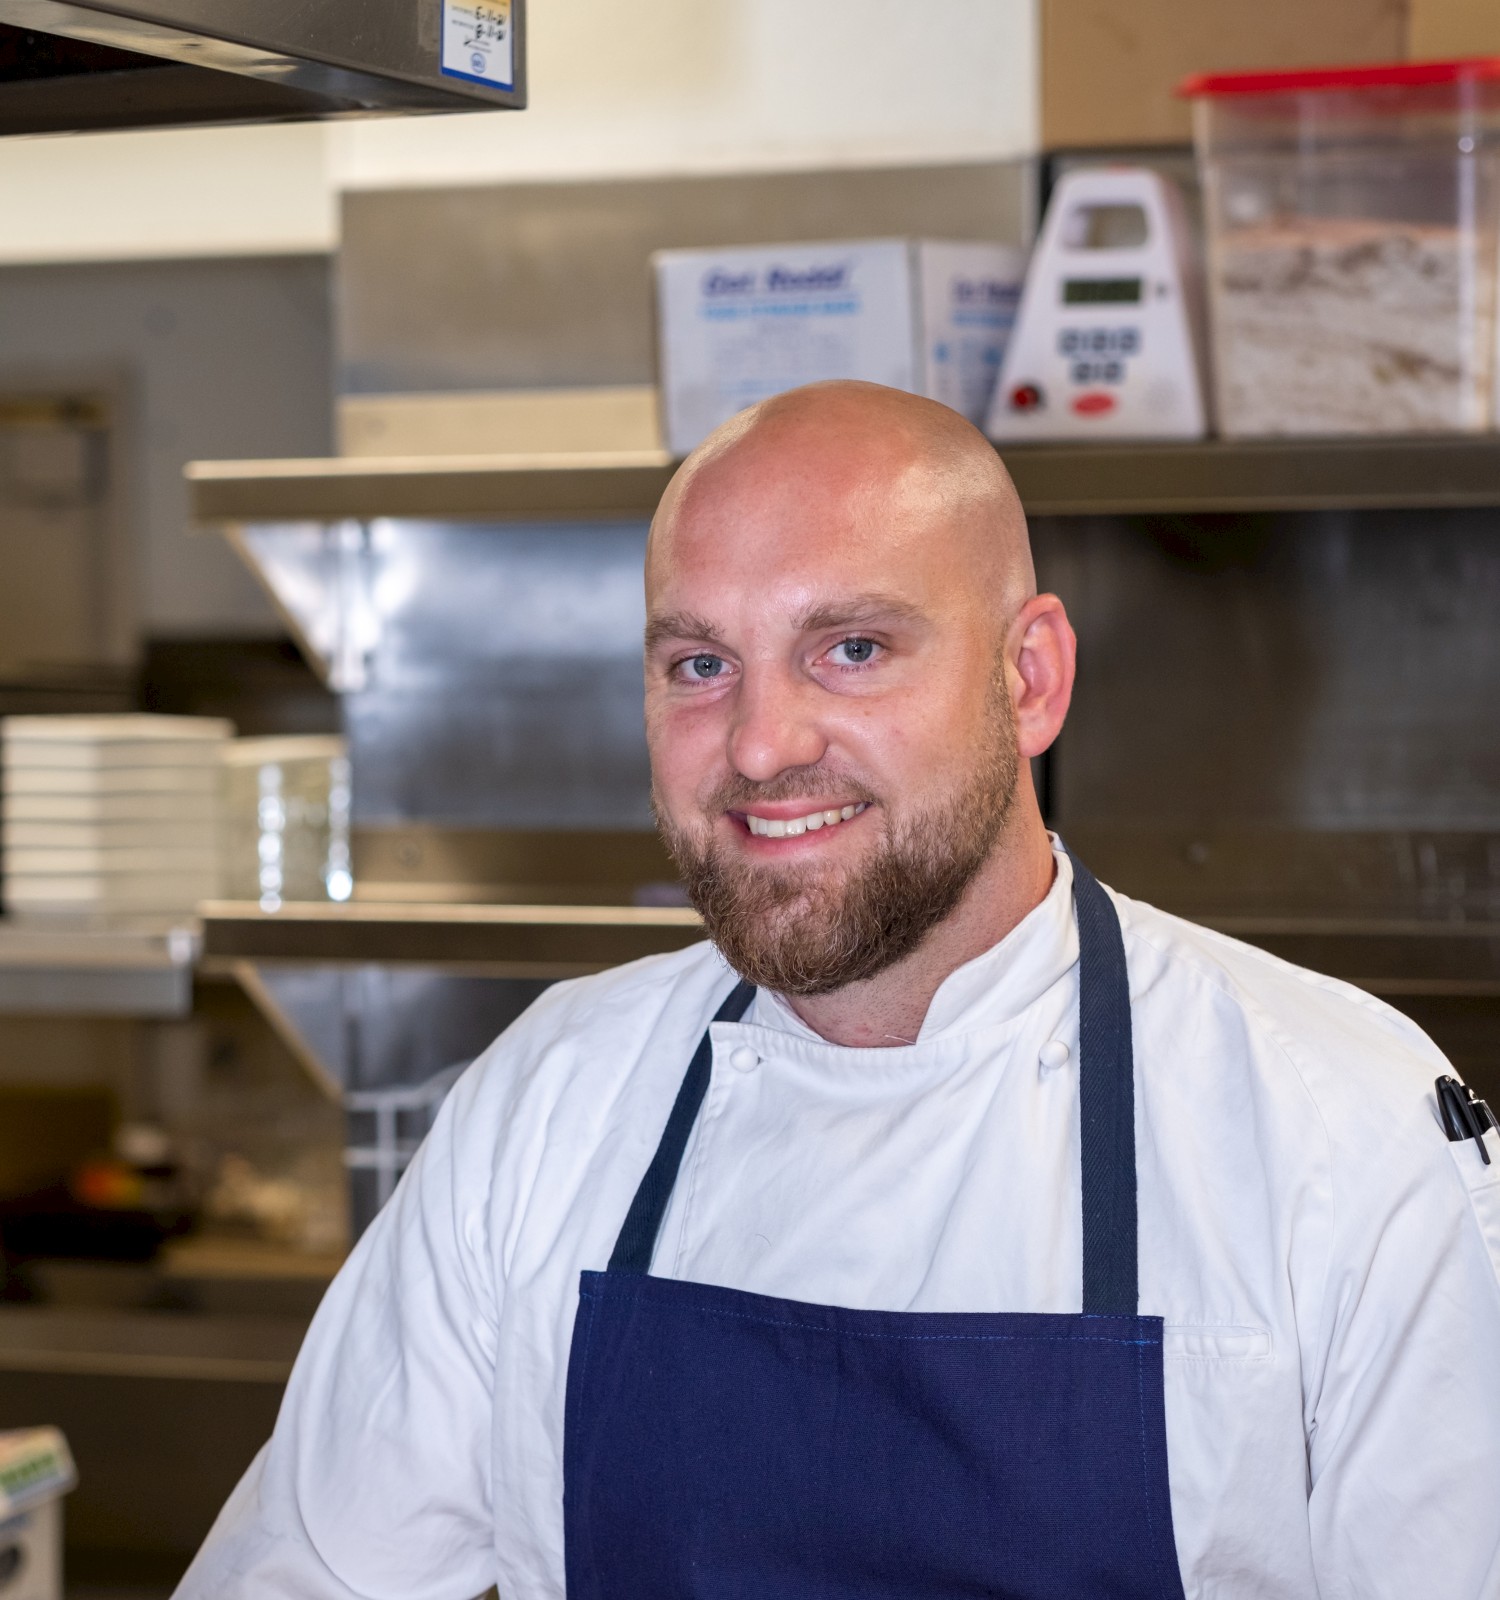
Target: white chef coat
1327 1263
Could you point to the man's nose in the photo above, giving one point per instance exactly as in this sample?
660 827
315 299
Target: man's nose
775 725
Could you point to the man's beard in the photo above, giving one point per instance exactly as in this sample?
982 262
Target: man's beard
800 932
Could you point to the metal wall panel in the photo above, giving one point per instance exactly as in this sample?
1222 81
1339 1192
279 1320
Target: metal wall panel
545 285
1330 670
504 685
206 358
490 673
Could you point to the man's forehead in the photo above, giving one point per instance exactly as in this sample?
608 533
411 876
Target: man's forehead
804 571
821 528
802 469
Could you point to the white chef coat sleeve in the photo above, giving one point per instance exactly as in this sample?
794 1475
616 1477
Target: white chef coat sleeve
376 1481
1404 1380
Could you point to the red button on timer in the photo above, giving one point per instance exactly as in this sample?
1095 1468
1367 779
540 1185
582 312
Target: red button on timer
1094 404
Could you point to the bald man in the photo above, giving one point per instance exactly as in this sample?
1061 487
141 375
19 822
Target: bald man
947 1225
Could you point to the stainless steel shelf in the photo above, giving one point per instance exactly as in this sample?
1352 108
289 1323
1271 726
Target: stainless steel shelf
424 863
1258 475
531 941
1387 956
1390 959
1420 878
1053 480
1399 912
519 488
85 973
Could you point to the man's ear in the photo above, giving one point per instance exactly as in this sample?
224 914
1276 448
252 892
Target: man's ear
1042 653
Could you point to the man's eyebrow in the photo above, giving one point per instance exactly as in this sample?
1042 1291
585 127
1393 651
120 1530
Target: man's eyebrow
680 625
859 611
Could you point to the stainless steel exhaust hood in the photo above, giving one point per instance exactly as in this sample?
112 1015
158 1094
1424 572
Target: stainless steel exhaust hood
79 65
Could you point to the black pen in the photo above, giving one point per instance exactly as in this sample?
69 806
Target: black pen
1464 1114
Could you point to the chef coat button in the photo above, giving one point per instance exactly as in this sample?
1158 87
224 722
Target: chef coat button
1053 1053
743 1059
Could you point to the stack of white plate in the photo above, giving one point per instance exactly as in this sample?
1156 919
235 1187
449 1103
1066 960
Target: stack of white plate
110 819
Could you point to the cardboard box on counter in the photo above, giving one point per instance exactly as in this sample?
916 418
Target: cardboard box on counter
1110 67
738 325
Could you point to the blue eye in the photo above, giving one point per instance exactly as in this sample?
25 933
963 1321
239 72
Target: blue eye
856 651
703 667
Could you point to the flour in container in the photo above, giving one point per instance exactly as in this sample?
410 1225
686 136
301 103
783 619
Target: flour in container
1352 326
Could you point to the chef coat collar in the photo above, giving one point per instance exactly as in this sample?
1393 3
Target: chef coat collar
992 988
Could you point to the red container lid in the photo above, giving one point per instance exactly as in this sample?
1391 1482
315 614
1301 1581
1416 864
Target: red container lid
1383 75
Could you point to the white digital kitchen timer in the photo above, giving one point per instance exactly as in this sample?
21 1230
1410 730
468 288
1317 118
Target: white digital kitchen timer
1107 337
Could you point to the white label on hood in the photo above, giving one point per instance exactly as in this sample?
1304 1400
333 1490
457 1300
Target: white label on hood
478 42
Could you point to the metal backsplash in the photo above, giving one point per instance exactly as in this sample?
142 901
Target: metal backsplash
389 1042
1311 671
1320 672
491 674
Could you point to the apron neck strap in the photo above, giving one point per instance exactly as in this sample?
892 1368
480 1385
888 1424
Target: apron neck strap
637 1241
1106 1104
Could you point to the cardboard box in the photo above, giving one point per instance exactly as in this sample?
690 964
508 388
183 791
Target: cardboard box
735 326
1439 30
1110 67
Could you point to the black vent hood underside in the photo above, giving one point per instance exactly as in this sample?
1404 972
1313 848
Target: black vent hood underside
82 67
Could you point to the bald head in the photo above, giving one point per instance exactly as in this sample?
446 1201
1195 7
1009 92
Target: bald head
855 462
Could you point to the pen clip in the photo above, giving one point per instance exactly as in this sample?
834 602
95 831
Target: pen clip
1464 1114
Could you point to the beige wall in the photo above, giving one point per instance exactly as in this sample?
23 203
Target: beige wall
701 86
732 85
659 87
162 193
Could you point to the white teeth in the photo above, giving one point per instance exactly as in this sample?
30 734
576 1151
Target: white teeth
789 828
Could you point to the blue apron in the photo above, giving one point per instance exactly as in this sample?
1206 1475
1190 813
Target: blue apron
731 1446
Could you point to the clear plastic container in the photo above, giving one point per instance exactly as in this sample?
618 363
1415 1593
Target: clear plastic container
1352 219
285 824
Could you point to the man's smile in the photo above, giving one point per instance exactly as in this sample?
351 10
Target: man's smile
766 826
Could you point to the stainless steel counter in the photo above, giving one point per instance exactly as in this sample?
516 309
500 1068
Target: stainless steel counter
148 1344
79 972
166 1378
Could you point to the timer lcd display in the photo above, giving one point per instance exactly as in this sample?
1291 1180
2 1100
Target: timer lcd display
1101 291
